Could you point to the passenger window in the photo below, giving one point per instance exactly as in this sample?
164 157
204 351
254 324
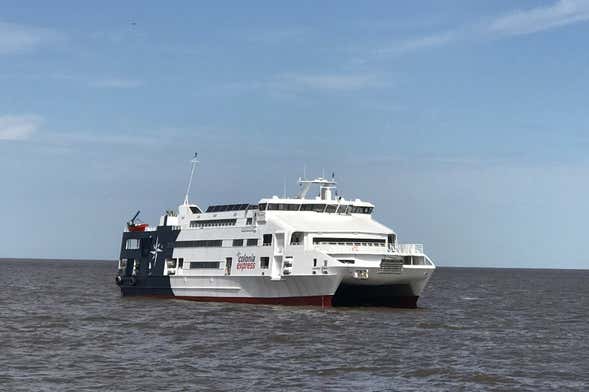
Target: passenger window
264 262
267 239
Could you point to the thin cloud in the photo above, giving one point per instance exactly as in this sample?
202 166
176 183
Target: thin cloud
16 38
424 42
520 22
287 84
562 13
67 139
14 128
115 83
26 128
277 36
333 82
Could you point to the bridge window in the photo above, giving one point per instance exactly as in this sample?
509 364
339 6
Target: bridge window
343 209
313 207
283 207
262 206
252 242
330 208
133 243
238 242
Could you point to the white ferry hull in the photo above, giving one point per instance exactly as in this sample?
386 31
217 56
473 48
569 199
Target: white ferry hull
254 289
341 288
296 290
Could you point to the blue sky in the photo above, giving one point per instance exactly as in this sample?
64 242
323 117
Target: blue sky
465 122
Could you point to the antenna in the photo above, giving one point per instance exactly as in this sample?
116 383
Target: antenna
194 162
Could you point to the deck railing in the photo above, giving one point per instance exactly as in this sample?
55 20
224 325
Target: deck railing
411 249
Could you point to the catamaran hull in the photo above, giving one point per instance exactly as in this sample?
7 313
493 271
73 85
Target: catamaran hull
399 296
325 291
296 290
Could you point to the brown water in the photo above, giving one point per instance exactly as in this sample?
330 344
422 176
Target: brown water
64 326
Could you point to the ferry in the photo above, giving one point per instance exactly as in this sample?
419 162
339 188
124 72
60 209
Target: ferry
318 250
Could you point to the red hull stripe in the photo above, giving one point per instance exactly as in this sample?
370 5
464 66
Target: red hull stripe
319 300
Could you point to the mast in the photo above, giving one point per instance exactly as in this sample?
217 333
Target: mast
325 187
194 163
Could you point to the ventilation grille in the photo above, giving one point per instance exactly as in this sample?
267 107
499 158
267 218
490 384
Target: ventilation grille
389 266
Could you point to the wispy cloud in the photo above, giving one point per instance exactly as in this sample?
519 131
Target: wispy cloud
69 139
330 82
520 22
15 38
287 84
115 83
423 42
27 128
18 127
277 36
562 13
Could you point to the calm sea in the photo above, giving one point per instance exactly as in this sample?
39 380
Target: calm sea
64 326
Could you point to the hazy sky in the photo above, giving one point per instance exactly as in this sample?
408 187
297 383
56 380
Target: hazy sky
466 123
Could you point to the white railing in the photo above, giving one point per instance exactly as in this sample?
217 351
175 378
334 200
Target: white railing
351 248
408 249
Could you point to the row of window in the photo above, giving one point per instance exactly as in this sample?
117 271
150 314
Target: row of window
204 264
264 264
198 244
213 222
318 240
352 243
329 208
232 207
249 242
213 243
172 263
